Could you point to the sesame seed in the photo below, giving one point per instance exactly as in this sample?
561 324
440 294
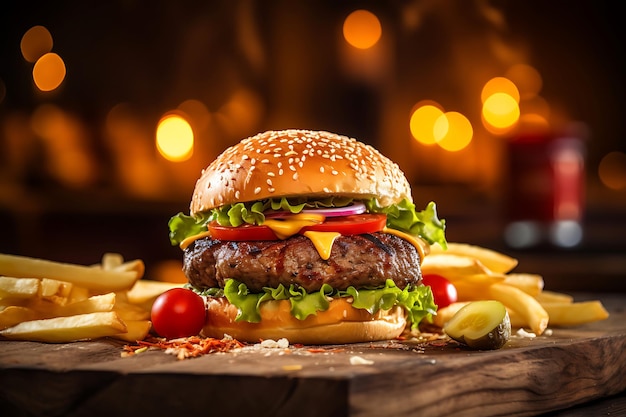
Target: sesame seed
322 169
265 161
271 174
295 176
257 190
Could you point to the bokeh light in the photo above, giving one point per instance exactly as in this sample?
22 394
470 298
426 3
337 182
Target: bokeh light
453 131
423 120
49 72
362 29
499 85
174 138
612 170
500 111
36 42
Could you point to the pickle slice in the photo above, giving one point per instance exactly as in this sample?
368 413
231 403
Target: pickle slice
483 325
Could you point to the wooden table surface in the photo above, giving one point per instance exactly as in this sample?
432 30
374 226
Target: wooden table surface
582 367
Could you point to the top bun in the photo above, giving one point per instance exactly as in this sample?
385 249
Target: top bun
297 163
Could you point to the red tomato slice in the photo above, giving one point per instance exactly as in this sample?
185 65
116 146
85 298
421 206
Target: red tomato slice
355 224
346 225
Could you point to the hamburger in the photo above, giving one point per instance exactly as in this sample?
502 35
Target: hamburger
309 236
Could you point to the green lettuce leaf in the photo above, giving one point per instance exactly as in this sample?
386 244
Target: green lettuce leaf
416 300
182 226
403 217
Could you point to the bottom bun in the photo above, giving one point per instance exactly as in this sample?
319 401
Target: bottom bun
341 323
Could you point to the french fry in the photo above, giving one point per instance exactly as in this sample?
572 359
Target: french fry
467 291
67 329
19 287
55 290
531 284
93 304
96 279
127 311
144 292
13 301
455 267
445 314
78 293
574 314
12 315
494 261
136 266
136 330
525 305
545 297
517 321
110 261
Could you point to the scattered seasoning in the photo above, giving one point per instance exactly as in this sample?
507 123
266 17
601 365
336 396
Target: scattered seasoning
183 348
523 333
357 360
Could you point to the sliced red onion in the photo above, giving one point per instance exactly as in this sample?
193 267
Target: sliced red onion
354 208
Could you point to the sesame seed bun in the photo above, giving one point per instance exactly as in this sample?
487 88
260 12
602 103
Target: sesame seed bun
341 323
293 163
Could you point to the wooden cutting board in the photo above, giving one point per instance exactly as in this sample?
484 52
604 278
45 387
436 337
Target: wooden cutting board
526 377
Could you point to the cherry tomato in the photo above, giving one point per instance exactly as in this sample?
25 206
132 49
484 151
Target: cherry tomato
178 312
346 225
444 292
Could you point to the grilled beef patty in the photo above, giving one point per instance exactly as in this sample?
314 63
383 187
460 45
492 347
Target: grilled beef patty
359 260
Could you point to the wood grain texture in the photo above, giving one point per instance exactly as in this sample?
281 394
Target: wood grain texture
526 377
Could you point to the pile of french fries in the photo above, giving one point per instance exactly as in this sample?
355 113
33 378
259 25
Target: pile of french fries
57 302
481 274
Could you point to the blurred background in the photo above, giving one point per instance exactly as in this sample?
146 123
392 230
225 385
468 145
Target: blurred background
508 114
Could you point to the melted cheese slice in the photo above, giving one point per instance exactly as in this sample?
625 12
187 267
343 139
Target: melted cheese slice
292 225
189 240
415 241
323 242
